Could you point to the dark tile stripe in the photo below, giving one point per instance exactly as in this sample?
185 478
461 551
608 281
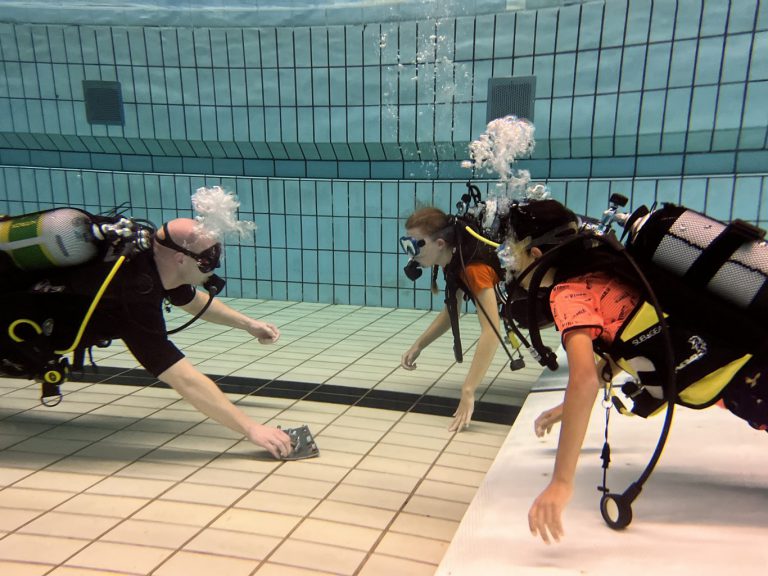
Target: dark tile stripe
313 392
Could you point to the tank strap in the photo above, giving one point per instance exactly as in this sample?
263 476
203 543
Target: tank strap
720 250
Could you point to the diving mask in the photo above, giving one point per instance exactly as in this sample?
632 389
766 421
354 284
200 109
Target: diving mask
411 246
207 260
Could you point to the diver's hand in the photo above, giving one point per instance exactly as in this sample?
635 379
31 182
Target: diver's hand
463 414
544 517
547 419
274 440
408 361
266 333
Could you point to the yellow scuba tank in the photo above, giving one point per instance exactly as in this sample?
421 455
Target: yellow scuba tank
52 238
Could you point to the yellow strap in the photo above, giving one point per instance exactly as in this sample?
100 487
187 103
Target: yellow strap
12 328
481 238
93 305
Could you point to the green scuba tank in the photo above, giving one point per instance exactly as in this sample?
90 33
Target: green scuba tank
52 238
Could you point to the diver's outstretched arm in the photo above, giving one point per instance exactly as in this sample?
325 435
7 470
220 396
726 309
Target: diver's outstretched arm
219 313
439 326
544 517
200 391
486 348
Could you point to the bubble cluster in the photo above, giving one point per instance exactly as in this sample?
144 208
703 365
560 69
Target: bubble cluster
216 214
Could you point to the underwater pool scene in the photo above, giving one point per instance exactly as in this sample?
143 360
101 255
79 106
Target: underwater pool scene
331 123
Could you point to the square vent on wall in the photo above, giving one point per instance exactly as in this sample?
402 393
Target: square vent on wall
103 102
514 95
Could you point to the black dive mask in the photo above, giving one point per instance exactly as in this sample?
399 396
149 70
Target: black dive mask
207 260
412 270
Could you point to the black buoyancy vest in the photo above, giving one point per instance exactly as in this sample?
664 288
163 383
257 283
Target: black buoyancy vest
469 250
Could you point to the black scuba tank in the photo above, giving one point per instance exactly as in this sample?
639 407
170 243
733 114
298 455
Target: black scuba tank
729 261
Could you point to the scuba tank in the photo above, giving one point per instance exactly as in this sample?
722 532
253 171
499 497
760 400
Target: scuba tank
730 261
52 238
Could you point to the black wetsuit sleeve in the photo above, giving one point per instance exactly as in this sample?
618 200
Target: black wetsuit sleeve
149 343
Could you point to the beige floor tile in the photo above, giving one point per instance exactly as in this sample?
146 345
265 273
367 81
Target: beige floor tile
315 468
420 431
23 569
488 451
399 438
141 438
245 462
10 475
352 433
446 491
366 496
98 505
8 440
233 544
296 486
337 459
80 571
436 508
278 503
221 477
27 460
419 525
69 525
143 401
195 564
328 442
75 431
408 453
136 487
336 534
61 480
203 494
318 557
396 482
161 425
146 533
465 462
32 499
205 443
106 449
381 565
119 557
179 513
392 466
123 411
353 514
455 475
412 547
210 429
49 446
166 454
12 518
156 471
270 569
33 548
365 422
82 465
256 522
